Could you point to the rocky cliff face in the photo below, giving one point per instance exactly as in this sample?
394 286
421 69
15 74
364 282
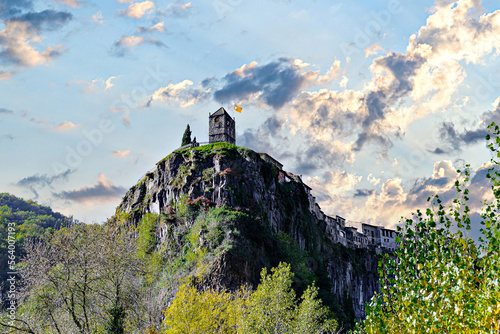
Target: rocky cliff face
240 216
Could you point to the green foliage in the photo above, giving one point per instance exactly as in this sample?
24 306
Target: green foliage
116 322
298 259
271 308
442 282
186 137
146 239
194 312
80 280
208 174
23 219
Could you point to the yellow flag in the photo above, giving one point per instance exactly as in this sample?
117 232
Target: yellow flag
238 108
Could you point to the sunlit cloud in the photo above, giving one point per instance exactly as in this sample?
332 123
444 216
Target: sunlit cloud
139 9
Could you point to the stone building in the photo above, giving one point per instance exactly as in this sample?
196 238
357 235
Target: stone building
221 127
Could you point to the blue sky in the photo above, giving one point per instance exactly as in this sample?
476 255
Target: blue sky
375 103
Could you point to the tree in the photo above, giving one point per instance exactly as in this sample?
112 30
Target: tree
271 308
193 312
186 137
442 282
79 280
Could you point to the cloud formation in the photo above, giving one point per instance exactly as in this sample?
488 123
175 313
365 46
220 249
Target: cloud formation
103 191
453 140
65 126
38 181
139 9
386 205
21 32
9 8
158 27
181 92
128 43
405 86
273 84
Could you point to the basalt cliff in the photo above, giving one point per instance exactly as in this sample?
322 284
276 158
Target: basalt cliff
220 213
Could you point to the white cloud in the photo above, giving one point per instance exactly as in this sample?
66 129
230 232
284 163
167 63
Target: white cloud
343 82
332 74
108 83
139 9
65 126
372 179
180 92
372 50
17 40
131 41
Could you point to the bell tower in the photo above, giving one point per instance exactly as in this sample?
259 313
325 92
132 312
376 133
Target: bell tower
221 127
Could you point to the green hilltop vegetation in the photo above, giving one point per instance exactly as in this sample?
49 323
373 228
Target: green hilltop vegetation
29 219
181 270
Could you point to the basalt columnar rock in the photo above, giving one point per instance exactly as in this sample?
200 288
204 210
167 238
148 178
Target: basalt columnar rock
223 213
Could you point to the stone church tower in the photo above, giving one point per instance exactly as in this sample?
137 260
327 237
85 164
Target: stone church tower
221 127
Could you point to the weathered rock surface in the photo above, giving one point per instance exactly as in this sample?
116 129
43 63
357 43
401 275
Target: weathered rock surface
241 180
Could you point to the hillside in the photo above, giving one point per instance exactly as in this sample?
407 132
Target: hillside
29 219
220 213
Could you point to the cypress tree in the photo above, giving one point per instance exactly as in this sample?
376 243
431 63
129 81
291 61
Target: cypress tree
186 138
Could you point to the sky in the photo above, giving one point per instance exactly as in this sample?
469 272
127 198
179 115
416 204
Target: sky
375 103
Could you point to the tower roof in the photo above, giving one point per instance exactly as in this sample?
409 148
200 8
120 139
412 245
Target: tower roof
220 112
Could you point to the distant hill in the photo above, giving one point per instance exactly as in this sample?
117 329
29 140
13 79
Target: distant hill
29 219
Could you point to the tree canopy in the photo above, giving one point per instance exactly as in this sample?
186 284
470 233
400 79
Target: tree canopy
440 281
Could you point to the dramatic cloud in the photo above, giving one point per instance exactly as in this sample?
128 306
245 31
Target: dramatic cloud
336 194
103 191
405 86
9 8
180 92
21 32
454 140
45 20
274 84
139 9
127 43
38 181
